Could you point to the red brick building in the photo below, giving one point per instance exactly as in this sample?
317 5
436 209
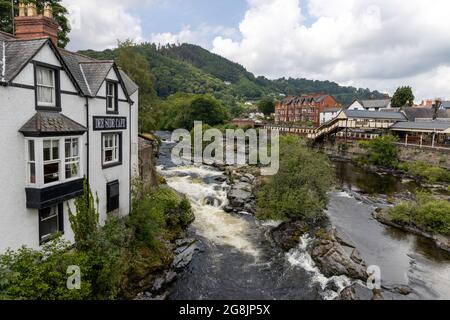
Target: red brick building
306 108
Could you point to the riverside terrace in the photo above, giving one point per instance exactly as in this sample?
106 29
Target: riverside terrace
361 125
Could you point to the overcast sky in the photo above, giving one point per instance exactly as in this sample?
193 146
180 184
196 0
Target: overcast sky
380 44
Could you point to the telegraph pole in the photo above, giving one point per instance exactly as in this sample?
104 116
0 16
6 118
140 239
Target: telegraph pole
12 18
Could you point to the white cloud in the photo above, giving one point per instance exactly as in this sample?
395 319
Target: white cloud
98 24
377 43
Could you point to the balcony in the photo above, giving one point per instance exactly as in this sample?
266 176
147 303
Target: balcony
55 194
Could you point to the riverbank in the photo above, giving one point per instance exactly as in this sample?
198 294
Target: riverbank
441 241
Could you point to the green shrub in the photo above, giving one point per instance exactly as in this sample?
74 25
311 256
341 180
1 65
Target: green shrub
427 172
299 189
402 213
426 212
434 217
381 151
85 221
28 274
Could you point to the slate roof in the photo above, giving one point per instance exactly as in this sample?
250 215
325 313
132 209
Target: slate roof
425 113
5 36
423 125
88 74
15 54
47 123
383 103
95 73
129 84
398 116
445 105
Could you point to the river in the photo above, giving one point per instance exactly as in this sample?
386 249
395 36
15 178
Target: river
238 261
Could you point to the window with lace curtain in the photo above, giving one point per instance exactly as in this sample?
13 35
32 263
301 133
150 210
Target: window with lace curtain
45 87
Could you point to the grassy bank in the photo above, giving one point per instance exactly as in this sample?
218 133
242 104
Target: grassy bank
383 152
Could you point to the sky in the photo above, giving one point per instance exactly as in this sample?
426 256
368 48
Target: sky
376 44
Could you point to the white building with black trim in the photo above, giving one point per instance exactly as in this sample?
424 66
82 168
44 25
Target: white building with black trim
63 117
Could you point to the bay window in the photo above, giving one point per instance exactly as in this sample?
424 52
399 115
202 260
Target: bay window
45 87
53 160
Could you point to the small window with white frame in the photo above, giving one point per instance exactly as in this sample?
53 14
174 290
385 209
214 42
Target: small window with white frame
45 87
111 149
72 158
51 161
111 104
31 166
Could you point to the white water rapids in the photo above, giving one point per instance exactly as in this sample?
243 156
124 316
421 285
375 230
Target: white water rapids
239 254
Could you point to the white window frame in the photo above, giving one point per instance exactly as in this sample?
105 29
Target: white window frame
115 148
39 161
111 96
31 162
72 160
43 103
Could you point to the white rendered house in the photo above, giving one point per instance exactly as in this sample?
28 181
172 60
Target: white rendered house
65 117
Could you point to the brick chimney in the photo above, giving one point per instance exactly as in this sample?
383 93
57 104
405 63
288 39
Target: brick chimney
31 25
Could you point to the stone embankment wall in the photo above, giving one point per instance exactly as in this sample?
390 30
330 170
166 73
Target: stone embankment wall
351 150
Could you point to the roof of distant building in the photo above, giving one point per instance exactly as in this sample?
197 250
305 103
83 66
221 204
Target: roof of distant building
375 115
422 125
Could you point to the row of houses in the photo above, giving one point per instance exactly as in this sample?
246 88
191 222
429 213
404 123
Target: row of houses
64 117
317 109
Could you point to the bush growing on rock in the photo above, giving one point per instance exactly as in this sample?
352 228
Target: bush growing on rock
427 172
426 213
299 190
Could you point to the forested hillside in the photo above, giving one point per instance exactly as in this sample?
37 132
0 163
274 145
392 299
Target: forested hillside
189 68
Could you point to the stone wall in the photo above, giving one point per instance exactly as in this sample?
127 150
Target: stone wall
351 150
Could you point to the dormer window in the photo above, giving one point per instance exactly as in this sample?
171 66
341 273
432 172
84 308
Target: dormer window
111 97
45 87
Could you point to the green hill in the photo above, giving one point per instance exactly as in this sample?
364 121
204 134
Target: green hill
191 69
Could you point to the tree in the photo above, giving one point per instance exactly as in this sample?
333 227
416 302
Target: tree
191 108
59 13
136 66
403 96
267 106
381 151
299 190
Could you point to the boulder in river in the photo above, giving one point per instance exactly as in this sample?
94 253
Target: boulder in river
287 235
359 291
337 257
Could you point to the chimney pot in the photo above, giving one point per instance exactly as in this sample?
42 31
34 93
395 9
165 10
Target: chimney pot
31 10
48 11
22 9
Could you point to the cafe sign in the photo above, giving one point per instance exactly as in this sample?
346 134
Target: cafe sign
110 123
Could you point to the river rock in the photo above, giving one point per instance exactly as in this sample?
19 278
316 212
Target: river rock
357 291
287 235
183 258
336 258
